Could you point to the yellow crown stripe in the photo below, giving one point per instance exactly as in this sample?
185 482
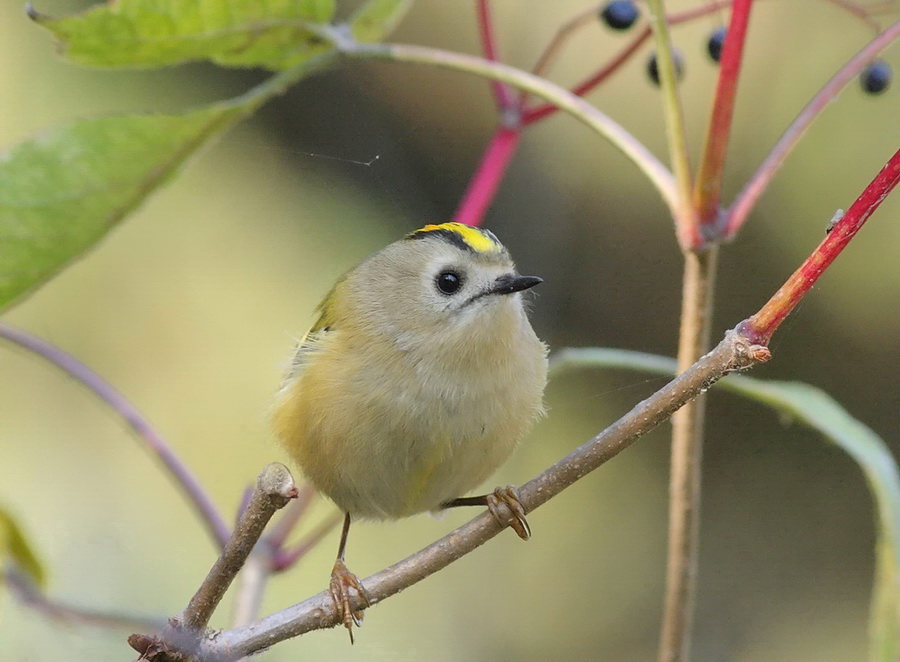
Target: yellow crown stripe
478 240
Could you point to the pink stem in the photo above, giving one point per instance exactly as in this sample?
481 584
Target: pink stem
759 328
740 209
484 183
188 483
539 112
502 94
283 559
292 514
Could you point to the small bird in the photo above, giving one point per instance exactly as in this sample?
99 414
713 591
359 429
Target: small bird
419 377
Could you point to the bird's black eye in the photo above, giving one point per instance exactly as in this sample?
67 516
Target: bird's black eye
448 282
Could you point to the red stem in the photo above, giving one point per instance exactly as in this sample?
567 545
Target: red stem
759 328
708 188
484 183
740 209
502 94
540 112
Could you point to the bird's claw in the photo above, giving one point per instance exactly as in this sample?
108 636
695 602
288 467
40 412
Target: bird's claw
506 508
342 580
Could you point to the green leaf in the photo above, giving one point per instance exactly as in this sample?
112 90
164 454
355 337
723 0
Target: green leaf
15 548
815 408
275 34
376 19
60 192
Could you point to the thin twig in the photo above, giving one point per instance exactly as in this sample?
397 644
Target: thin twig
27 593
733 353
580 109
180 639
274 488
708 187
563 34
859 11
251 586
285 559
268 557
293 513
685 216
698 286
154 441
746 200
536 113
502 94
763 324
483 184
687 443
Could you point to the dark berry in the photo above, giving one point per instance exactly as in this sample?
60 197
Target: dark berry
620 14
715 43
653 68
876 77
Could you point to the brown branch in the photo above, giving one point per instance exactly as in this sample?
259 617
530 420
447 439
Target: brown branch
741 348
291 516
251 586
687 450
733 353
274 488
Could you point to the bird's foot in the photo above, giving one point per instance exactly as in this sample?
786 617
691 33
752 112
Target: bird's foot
342 581
506 508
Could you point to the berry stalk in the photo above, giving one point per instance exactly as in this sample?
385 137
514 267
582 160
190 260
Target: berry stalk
673 113
708 187
740 208
502 93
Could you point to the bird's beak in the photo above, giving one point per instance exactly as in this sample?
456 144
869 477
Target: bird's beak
509 283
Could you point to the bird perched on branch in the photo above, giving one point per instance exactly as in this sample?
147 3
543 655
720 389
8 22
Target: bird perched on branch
418 379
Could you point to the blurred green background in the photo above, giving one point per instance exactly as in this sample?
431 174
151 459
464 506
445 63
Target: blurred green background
191 308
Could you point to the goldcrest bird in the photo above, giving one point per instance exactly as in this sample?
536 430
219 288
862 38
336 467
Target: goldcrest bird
418 379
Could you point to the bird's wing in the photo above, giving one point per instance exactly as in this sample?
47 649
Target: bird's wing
318 332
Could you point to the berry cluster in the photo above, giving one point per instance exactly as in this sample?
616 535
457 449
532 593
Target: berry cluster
623 14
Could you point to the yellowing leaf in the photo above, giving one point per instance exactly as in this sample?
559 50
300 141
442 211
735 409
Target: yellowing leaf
14 547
